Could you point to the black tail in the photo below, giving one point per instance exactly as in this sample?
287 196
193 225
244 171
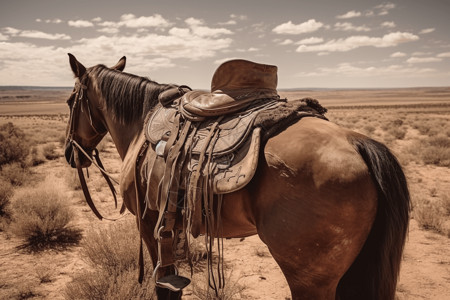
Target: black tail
374 273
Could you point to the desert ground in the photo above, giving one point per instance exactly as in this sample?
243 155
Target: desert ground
413 123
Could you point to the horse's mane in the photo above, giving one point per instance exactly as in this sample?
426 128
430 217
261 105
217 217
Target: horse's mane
128 97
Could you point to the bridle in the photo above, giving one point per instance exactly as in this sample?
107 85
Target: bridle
79 106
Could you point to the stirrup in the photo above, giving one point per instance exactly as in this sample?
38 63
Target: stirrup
173 282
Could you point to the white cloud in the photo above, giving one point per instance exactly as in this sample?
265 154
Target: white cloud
158 63
305 27
112 30
239 17
353 42
97 19
3 37
398 54
427 30
80 23
347 26
385 8
350 70
34 34
418 60
43 35
11 31
230 22
349 15
131 21
287 42
309 41
252 49
445 54
388 24
205 31
54 21
194 22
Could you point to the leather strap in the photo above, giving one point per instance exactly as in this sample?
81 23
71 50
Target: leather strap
108 181
84 187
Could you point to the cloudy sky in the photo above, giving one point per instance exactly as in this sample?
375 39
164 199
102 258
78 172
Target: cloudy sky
317 43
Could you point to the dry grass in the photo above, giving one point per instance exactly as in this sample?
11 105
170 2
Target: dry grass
6 192
15 173
13 145
42 217
232 289
112 252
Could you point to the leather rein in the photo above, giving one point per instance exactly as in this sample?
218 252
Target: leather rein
80 99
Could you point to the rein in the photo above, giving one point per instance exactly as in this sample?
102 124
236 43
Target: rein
80 95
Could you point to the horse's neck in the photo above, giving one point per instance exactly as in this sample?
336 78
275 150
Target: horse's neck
124 135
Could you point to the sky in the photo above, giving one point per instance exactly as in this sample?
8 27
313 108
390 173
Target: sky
314 44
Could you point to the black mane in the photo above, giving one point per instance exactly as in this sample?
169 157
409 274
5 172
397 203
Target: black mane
128 97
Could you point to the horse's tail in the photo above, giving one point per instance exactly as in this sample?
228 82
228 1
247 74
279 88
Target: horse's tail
374 273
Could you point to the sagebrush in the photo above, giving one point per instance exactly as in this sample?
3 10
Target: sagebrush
42 218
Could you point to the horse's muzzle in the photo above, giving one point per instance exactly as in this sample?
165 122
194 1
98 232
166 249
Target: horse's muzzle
69 154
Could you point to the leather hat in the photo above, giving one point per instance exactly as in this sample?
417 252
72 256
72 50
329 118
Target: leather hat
234 83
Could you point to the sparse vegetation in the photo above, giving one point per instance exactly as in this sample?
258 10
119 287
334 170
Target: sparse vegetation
232 289
42 218
49 151
15 173
13 145
113 254
6 192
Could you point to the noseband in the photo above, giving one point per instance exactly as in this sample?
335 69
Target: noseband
80 100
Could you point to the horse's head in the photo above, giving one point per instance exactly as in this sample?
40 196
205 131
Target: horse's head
86 126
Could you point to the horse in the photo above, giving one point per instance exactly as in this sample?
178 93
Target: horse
332 205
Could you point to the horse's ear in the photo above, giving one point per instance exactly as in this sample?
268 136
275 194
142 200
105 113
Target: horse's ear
121 64
77 68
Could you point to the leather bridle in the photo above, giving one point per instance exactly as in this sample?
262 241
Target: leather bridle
79 103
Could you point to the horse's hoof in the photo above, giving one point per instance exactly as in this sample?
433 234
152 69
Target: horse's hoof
173 282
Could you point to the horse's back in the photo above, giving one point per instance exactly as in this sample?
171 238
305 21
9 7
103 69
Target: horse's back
314 202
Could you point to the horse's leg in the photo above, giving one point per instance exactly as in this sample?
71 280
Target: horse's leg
147 227
314 207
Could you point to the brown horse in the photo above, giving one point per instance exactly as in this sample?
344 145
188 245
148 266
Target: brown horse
331 205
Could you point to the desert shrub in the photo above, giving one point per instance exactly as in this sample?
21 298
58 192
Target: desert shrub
232 289
37 157
432 215
436 150
113 254
101 285
49 151
369 129
13 145
6 192
42 218
396 132
15 173
113 249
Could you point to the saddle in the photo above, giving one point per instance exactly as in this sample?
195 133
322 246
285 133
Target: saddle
207 144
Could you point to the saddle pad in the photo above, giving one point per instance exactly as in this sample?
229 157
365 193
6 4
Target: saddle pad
233 130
